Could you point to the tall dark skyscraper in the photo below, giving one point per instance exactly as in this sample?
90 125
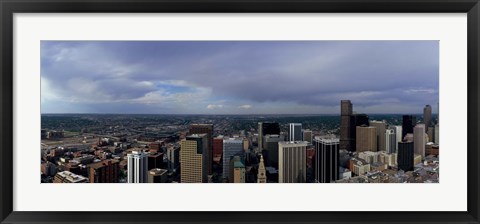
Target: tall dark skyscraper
266 128
294 132
408 122
326 160
345 123
348 125
405 156
271 128
357 120
427 115
205 129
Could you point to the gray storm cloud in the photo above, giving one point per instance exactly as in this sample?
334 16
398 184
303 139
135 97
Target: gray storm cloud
268 76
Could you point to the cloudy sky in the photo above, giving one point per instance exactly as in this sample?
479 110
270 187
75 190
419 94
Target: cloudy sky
238 77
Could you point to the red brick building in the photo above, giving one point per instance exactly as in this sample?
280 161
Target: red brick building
106 171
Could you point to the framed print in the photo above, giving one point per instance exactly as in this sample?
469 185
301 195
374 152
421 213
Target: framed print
260 111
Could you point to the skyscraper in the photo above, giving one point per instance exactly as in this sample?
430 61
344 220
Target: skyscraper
366 139
437 134
266 128
419 139
173 157
381 127
260 136
193 159
218 146
262 173
326 162
408 122
405 156
205 129
231 147
356 120
155 160
271 149
292 162
137 166
295 132
307 135
398 134
390 141
427 115
345 129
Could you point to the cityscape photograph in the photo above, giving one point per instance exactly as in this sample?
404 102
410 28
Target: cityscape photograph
240 111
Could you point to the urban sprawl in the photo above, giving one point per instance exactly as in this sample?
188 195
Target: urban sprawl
350 148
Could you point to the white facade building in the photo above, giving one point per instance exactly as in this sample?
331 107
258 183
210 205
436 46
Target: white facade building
137 167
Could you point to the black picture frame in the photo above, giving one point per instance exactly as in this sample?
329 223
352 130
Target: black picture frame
9 7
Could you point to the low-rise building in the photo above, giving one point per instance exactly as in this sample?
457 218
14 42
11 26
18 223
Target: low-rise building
69 177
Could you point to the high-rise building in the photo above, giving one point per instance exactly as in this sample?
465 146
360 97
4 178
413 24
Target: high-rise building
345 129
348 125
326 162
270 150
260 136
218 145
295 132
231 147
419 139
246 144
193 159
355 121
398 134
155 160
408 122
381 128
262 173
238 170
173 157
307 135
390 141
430 133
437 134
266 128
366 139
157 175
106 171
205 129
292 167
427 115
405 156
137 167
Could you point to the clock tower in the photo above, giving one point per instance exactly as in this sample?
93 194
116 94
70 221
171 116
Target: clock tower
262 174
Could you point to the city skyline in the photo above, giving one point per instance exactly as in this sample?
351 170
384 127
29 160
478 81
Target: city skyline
351 148
238 77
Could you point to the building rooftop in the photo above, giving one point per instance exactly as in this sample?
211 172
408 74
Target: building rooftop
71 177
326 139
196 136
157 171
293 143
238 164
103 163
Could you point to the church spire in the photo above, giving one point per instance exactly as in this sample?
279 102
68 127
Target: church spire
262 175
